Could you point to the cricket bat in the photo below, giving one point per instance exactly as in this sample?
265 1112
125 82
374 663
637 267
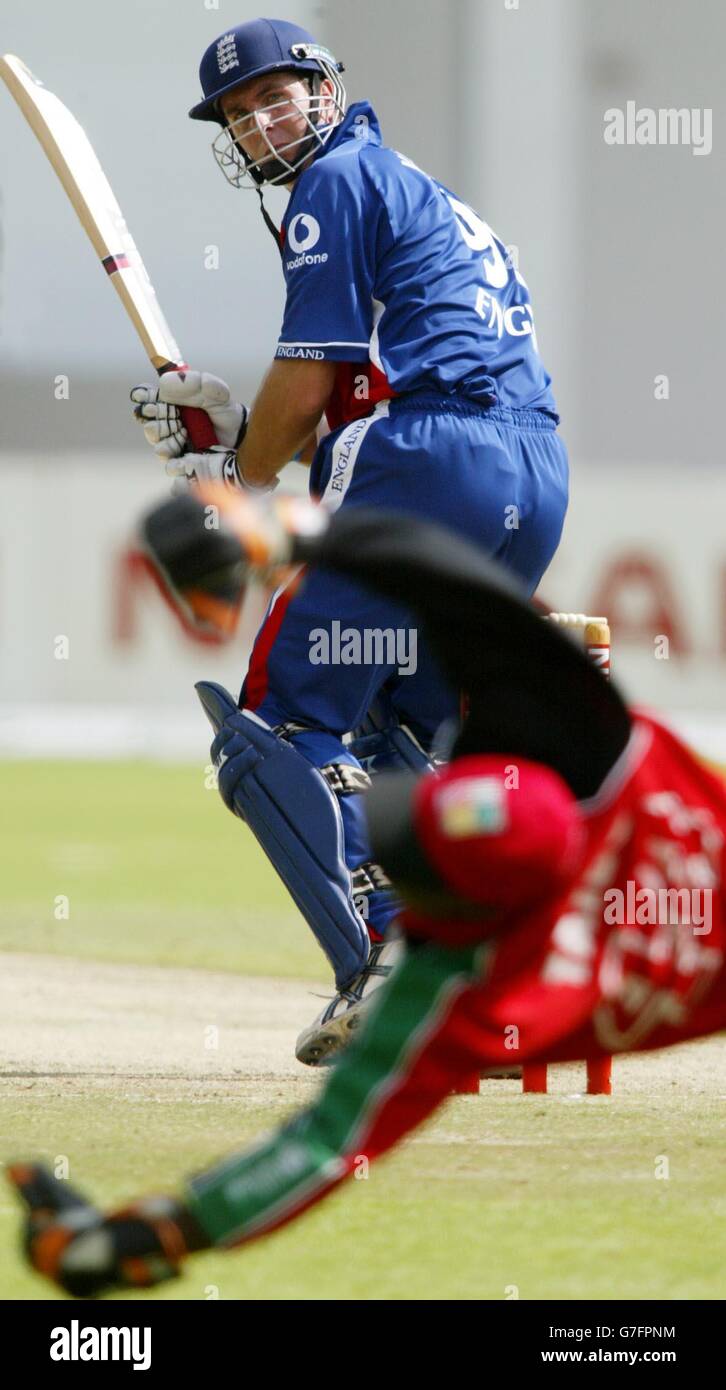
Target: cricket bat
76 164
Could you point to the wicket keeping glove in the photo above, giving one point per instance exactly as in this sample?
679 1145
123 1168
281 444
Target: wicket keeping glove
202 571
85 1252
160 410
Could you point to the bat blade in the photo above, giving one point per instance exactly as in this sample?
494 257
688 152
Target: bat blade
77 166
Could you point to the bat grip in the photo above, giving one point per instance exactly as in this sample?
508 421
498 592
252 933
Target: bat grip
196 422
199 427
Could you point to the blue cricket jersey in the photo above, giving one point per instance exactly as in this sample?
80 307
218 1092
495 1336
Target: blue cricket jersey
385 266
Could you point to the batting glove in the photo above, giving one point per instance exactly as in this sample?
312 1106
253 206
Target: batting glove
86 1253
213 466
161 408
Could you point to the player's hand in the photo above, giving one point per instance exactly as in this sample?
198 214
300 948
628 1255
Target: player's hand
216 465
161 409
86 1252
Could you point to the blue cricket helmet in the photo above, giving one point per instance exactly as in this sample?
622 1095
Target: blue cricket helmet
249 50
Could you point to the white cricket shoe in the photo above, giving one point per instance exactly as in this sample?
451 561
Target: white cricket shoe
319 1044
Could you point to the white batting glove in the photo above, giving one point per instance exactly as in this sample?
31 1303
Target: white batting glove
159 409
216 465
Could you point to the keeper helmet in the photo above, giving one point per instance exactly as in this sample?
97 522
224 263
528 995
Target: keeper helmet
251 50
470 847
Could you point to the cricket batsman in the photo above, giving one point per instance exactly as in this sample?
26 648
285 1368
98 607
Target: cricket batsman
407 372
531 870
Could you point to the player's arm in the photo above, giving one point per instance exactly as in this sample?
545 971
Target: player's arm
307 453
86 1251
531 691
284 415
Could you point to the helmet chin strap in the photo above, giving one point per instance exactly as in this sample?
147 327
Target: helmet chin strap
268 221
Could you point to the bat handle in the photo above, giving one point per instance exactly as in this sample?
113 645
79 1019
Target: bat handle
199 428
196 422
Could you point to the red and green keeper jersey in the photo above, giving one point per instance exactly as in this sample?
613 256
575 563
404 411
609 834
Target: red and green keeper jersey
601 970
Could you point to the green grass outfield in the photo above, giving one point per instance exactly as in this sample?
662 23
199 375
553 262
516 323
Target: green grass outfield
156 870
555 1197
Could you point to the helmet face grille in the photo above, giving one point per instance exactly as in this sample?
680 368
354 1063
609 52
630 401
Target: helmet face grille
278 163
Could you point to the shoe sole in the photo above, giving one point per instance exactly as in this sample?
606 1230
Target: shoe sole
320 1047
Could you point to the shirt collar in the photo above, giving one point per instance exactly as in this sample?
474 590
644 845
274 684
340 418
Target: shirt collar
360 122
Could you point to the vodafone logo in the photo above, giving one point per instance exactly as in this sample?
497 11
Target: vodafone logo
303 232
